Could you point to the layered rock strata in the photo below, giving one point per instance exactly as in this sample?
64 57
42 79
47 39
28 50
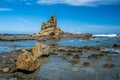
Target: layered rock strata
50 28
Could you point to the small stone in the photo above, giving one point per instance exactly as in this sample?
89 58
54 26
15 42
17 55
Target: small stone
6 70
116 45
76 56
86 64
74 69
75 59
0 69
109 60
23 50
4 56
109 65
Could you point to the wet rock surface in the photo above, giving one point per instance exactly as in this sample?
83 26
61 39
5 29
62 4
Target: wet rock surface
40 49
65 60
71 35
20 64
57 62
86 64
95 56
109 65
75 59
7 62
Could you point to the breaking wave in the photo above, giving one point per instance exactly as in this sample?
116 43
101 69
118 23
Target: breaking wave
105 35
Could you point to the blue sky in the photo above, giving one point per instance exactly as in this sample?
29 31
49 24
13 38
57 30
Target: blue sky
86 16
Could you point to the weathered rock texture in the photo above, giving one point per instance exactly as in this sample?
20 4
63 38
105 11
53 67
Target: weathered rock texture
50 28
39 50
29 61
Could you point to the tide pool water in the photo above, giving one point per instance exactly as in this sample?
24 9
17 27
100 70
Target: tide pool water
7 46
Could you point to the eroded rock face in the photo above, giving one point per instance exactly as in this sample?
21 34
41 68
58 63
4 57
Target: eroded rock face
30 60
27 62
39 50
50 28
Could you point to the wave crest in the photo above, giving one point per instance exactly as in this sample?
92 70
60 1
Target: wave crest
105 35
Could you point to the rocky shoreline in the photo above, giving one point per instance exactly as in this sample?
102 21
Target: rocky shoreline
10 60
43 38
14 64
25 64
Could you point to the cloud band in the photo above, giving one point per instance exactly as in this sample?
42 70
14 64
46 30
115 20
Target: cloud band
5 9
79 2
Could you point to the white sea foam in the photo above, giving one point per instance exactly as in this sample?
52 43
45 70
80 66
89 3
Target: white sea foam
106 35
114 50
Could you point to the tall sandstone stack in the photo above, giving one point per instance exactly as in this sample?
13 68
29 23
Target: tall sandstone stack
50 28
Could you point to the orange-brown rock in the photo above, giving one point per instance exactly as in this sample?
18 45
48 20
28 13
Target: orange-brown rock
27 62
39 50
50 28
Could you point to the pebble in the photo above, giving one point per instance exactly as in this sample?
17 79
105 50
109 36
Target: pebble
74 69
6 70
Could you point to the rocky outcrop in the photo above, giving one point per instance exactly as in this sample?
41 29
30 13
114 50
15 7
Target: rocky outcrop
108 65
39 50
29 61
50 28
71 35
96 56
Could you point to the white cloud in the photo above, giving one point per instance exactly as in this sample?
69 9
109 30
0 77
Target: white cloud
79 2
5 9
24 20
26 2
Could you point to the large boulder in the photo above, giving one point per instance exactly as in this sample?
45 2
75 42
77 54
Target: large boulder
40 49
27 62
